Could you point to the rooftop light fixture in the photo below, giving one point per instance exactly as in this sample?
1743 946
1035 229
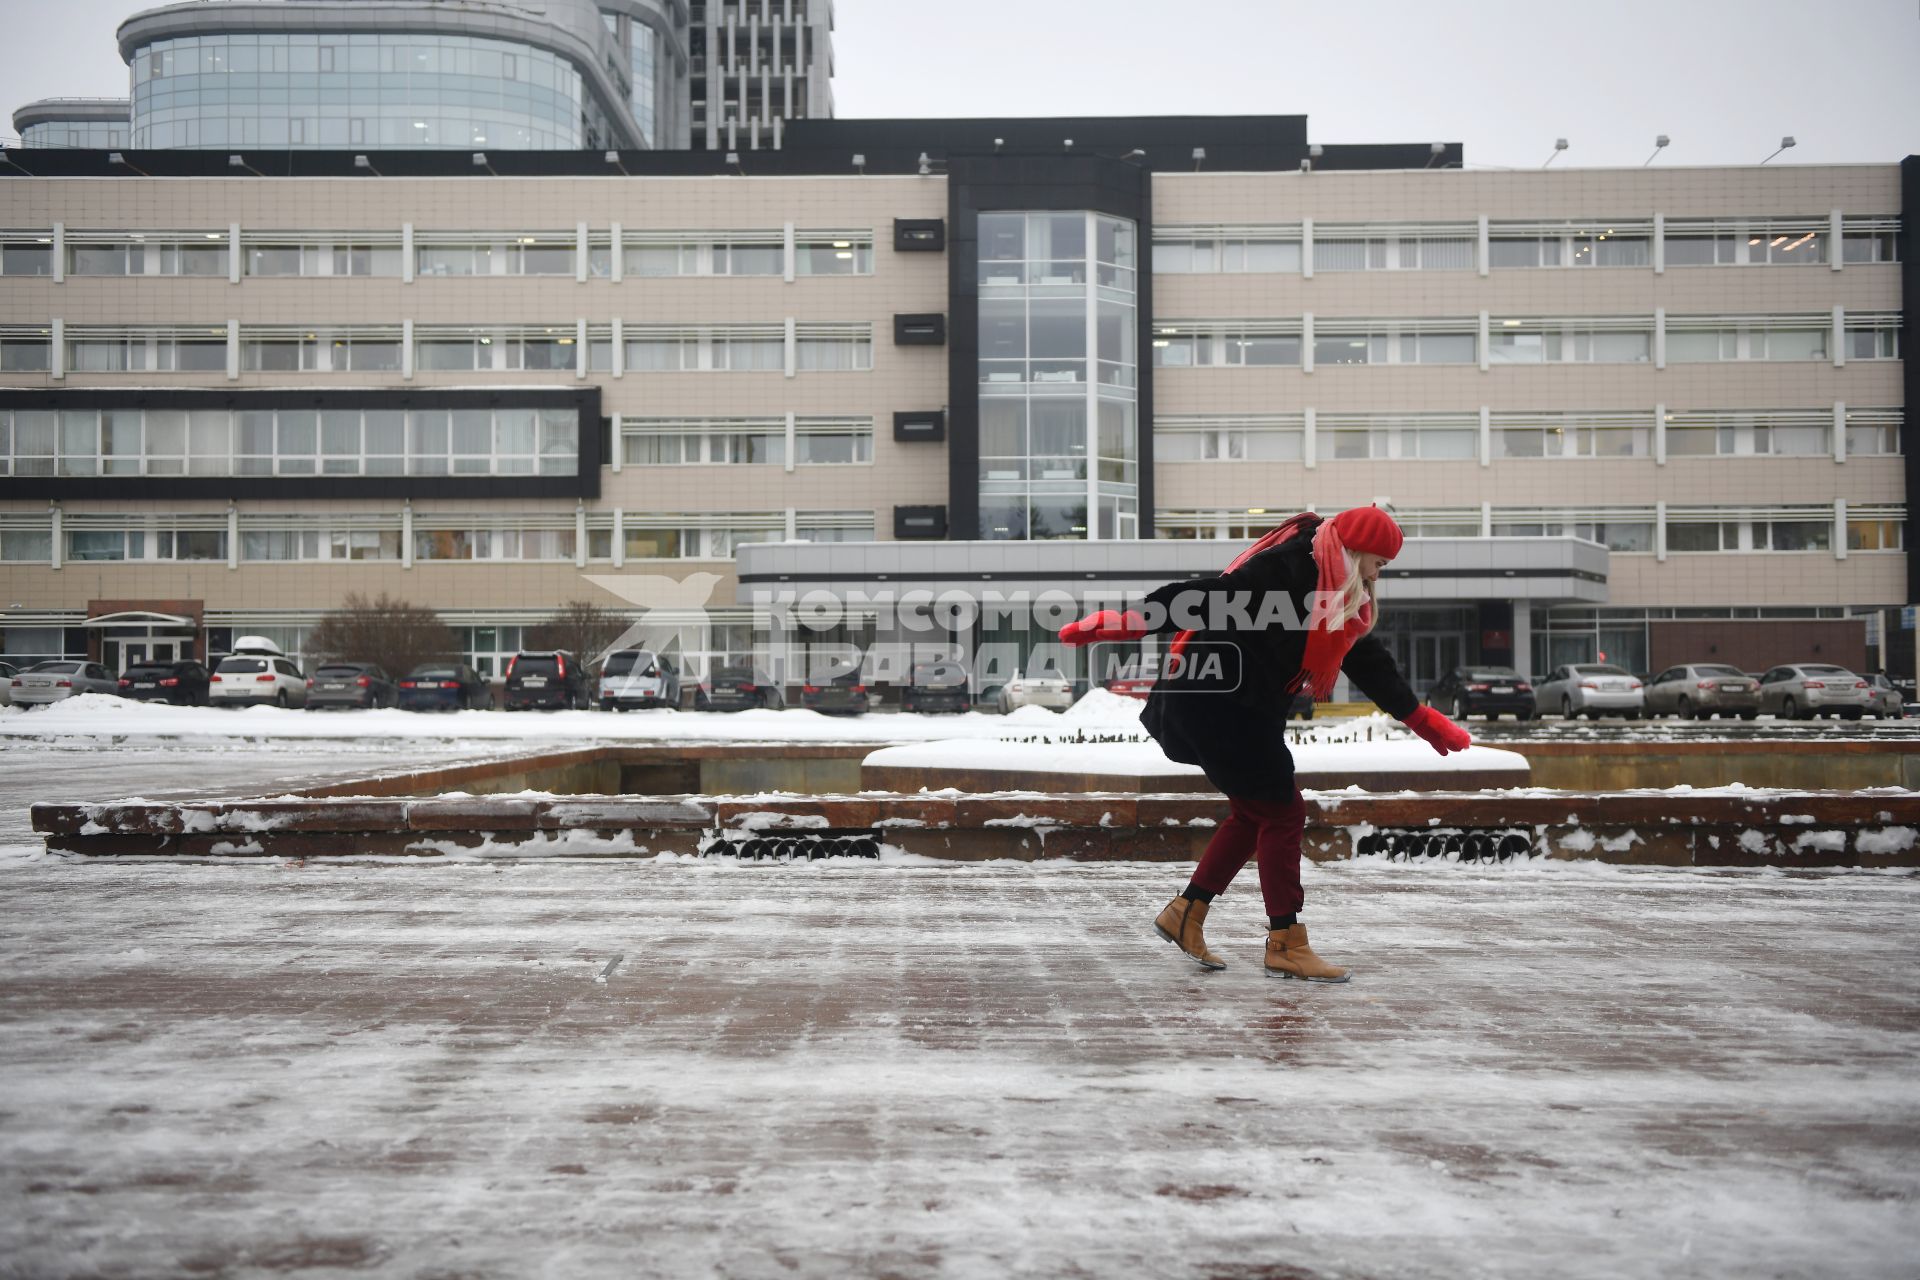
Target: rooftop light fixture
1434 151
860 164
1784 144
1659 145
480 162
1199 158
240 162
361 162
1559 145
613 158
114 157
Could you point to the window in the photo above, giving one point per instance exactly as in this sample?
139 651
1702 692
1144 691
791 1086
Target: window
1794 535
1875 535
1619 244
1552 342
23 545
834 256
833 448
203 256
1394 342
25 352
92 544
1878 343
1379 436
1873 432
494 544
1234 255
1571 436
1183 346
1691 342
1869 246
27 259
823 348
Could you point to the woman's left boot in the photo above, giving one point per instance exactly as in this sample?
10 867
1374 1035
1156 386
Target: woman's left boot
1289 956
1179 922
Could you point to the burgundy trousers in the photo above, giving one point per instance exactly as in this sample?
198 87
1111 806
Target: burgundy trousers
1269 832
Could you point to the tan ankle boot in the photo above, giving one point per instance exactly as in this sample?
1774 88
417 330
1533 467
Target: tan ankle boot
1179 922
1289 956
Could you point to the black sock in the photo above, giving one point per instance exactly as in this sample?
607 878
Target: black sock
1282 922
1198 894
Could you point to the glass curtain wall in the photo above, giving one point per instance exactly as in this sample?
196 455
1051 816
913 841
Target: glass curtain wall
1059 420
410 90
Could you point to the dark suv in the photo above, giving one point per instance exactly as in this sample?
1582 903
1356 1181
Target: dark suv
940 685
738 689
445 686
183 683
553 679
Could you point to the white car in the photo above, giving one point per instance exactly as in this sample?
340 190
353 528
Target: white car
638 678
7 672
1043 688
55 681
256 674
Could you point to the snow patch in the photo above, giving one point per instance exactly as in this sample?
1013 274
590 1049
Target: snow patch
1820 842
1889 840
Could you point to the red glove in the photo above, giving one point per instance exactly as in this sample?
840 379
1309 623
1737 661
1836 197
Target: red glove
1442 734
1108 624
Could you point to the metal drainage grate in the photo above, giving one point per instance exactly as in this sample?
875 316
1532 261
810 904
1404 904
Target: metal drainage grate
793 846
1450 845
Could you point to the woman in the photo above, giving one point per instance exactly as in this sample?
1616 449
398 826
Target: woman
1305 597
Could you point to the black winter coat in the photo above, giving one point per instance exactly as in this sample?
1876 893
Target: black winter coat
1228 714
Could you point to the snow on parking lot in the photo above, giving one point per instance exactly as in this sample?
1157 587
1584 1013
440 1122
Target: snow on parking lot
96 716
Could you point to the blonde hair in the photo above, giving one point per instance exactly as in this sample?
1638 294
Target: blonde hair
1352 597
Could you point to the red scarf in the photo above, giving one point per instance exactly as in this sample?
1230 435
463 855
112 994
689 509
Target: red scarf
1327 645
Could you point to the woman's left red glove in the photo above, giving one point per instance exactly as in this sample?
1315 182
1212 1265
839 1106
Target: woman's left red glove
1108 624
1442 734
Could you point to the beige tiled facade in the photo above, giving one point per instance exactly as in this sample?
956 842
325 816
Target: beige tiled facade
915 378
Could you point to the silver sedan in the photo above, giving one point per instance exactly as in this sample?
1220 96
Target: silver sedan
1703 689
60 679
1812 689
1590 688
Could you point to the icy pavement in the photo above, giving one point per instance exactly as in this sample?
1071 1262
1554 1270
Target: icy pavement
716 1069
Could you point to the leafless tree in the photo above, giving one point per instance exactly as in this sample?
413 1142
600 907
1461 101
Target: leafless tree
394 633
581 627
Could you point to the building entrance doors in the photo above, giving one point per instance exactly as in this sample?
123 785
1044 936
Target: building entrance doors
117 655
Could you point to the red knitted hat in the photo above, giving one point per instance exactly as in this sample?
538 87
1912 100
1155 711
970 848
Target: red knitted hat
1369 529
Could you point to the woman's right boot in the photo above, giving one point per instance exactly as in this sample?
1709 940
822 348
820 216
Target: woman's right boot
1179 922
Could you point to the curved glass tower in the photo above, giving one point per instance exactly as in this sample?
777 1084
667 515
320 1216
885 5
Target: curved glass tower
342 73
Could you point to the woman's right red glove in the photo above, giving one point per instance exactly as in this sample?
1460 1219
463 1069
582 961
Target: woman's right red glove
1442 734
1108 624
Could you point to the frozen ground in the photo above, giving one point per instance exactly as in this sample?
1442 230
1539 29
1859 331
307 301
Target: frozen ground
713 1069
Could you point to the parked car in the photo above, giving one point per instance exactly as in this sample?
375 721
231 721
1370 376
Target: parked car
843 695
257 679
1041 687
1590 688
184 684
1808 689
444 686
7 672
350 686
739 689
940 685
1130 686
1703 689
1482 691
638 678
57 680
1885 700
551 678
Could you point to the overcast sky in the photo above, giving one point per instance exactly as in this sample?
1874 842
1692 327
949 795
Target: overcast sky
1724 79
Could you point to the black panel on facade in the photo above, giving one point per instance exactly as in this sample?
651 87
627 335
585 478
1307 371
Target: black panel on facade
919 235
920 330
919 523
583 483
931 425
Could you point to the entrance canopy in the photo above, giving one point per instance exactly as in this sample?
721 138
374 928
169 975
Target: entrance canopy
140 618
